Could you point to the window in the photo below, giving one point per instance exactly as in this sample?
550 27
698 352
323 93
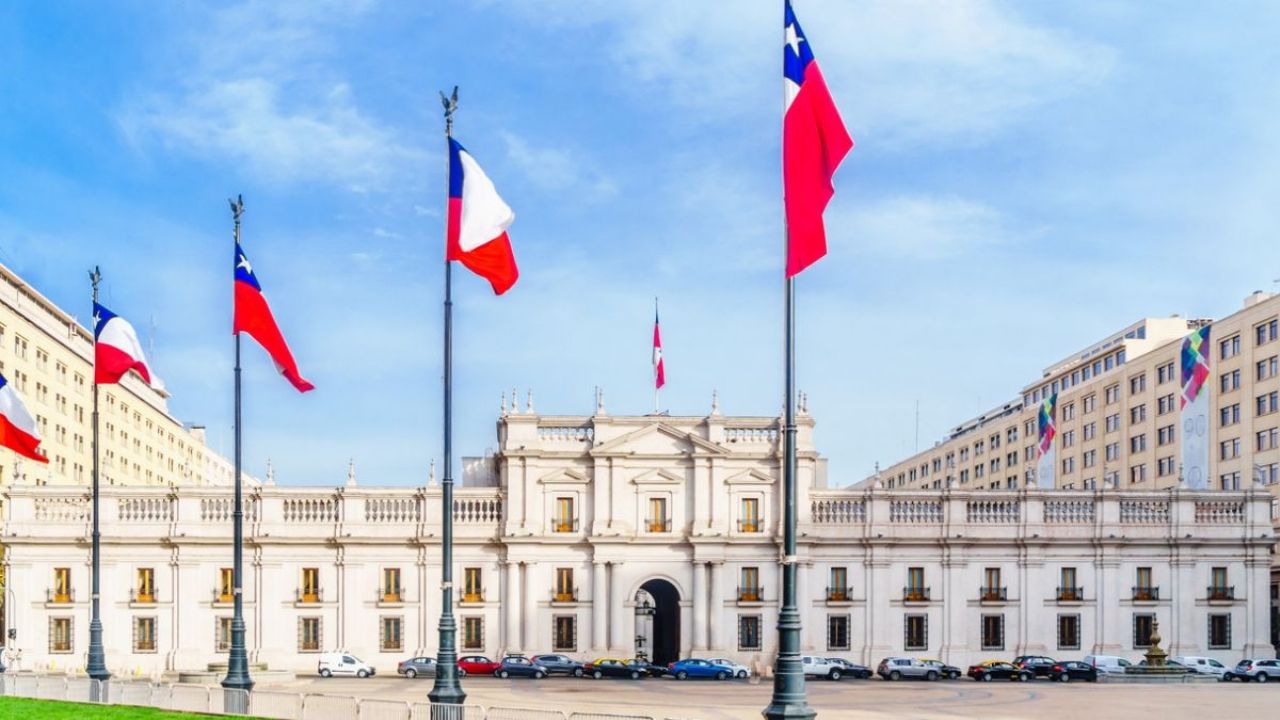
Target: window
1068 465
565 592
310 592
1218 581
1137 414
222 634
61 585
472 587
1268 439
1229 381
1067 589
1164 373
1165 435
1068 438
1138 473
993 632
1266 332
1068 632
1143 625
1229 415
1220 632
1137 384
309 634
1143 589
1068 411
659 521
1138 443
564 520
60 637
1112 422
391 584
837 632
838 590
1268 368
1228 449
226 580
1112 451
749 520
1112 394
472 633
1166 404
144 634
1090 458
915 589
991 587
391 634
1090 430
1166 466
749 632
146 589
749 585
1090 403
916 632
1268 403
1229 348
1229 481
564 633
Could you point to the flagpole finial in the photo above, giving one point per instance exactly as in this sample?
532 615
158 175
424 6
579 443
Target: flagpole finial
95 278
450 103
715 402
351 473
599 400
237 207
503 407
271 473
431 474
528 407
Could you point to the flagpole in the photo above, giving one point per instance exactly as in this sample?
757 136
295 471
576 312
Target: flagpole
447 690
96 667
237 660
657 405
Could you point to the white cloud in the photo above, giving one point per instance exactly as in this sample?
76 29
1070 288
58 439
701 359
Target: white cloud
918 227
557 169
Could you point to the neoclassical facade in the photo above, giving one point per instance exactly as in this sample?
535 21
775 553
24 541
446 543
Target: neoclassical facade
603 535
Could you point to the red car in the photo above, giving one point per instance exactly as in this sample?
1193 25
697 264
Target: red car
477 665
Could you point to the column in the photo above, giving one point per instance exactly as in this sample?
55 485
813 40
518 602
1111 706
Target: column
807 617
699 605
531 593
620 634
599 606
511 606
716 641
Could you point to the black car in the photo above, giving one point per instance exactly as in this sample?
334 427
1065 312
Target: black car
1040 665
559 665
516 666
949 672
852 669
1073 670
988 671
614 668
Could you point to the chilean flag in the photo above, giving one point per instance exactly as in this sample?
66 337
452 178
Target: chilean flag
17 427
117 349
478 222
814 141
659 369
253 316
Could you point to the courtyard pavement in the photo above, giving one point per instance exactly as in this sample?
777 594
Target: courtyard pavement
853 699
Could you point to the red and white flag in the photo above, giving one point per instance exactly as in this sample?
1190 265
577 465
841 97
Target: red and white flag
117 349
477 222
814 141
18 430
659 370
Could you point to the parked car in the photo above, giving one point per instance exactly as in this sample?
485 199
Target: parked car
340 663
1260 670
821 667
520 666
1069 670
999 670
1107 663
900 668
735 669
648 668
613 667
950 672
1202 665
1040 665
559 665
697 668
477 665
851 669
413 667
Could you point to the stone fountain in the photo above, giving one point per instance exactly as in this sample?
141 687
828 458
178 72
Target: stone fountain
1157 667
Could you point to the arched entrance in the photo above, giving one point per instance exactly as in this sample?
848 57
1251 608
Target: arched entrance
660 625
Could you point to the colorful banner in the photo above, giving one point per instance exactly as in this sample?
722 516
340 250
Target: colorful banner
1046 473
1195 410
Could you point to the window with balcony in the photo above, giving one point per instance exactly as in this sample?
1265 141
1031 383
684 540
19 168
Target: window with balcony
391 633
145 590
837 632
749 516
1218 587
60 637
1068 590
472 633
472 585
1143 627
749 635
310 638
391 584
61 592
564 633
564 519
222 634
993 632
749 585
838 588
1143 589
144 634
1220 631
1068 632
992 590
915 632
915 591
310 590
226 586
659 521
565 591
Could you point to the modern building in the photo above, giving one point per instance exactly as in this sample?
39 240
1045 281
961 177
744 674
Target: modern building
603 535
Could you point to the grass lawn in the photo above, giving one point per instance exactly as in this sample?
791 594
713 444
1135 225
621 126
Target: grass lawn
12 708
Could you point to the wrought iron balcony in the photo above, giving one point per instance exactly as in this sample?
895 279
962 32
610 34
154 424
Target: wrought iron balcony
564 525
750 525
309 596
1070 594
1146 593
390 595
915 594
65 596
138 597
993 594
476 595
658 526
838 594
564 595
1221 592
750 594
223 597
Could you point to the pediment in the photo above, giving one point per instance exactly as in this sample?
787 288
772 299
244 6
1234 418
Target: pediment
564 476
657 477
750 477
661 440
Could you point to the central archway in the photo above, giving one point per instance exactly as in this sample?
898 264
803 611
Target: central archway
664 637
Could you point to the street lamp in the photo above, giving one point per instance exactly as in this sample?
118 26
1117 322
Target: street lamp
644 609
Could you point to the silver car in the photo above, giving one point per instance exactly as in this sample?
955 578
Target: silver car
1261 670
900 668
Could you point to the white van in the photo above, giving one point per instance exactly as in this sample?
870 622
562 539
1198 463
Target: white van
1203 665
1107 663
342 663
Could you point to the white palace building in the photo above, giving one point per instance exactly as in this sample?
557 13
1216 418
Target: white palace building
577 522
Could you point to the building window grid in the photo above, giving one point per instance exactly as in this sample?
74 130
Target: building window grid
310 634
144 635
838 632
915 632
749 635
564 635
1219 631
1143 626
472 632
993 632
391 633
1069 632
61 637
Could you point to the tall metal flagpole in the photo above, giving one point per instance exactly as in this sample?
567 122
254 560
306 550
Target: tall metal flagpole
96 667
237 678
447 690
789 699
657 405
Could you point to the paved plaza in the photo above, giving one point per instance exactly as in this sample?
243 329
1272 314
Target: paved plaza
862 700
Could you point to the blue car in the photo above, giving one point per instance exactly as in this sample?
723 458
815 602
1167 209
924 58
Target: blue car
694 668
516 666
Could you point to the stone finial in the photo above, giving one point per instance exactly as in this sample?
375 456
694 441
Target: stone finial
528 407
503 409
351 473
515 402
715 402
599 400
271 473
431 474
802 403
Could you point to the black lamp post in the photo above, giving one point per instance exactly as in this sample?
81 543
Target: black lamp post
644 609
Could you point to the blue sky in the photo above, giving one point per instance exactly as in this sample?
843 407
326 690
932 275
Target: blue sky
1027 178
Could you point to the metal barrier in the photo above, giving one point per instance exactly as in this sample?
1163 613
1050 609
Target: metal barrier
329 707
228 701
189 698
123 692
502 713
371 709
606 716
83 690
51 688
433 711
275 705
